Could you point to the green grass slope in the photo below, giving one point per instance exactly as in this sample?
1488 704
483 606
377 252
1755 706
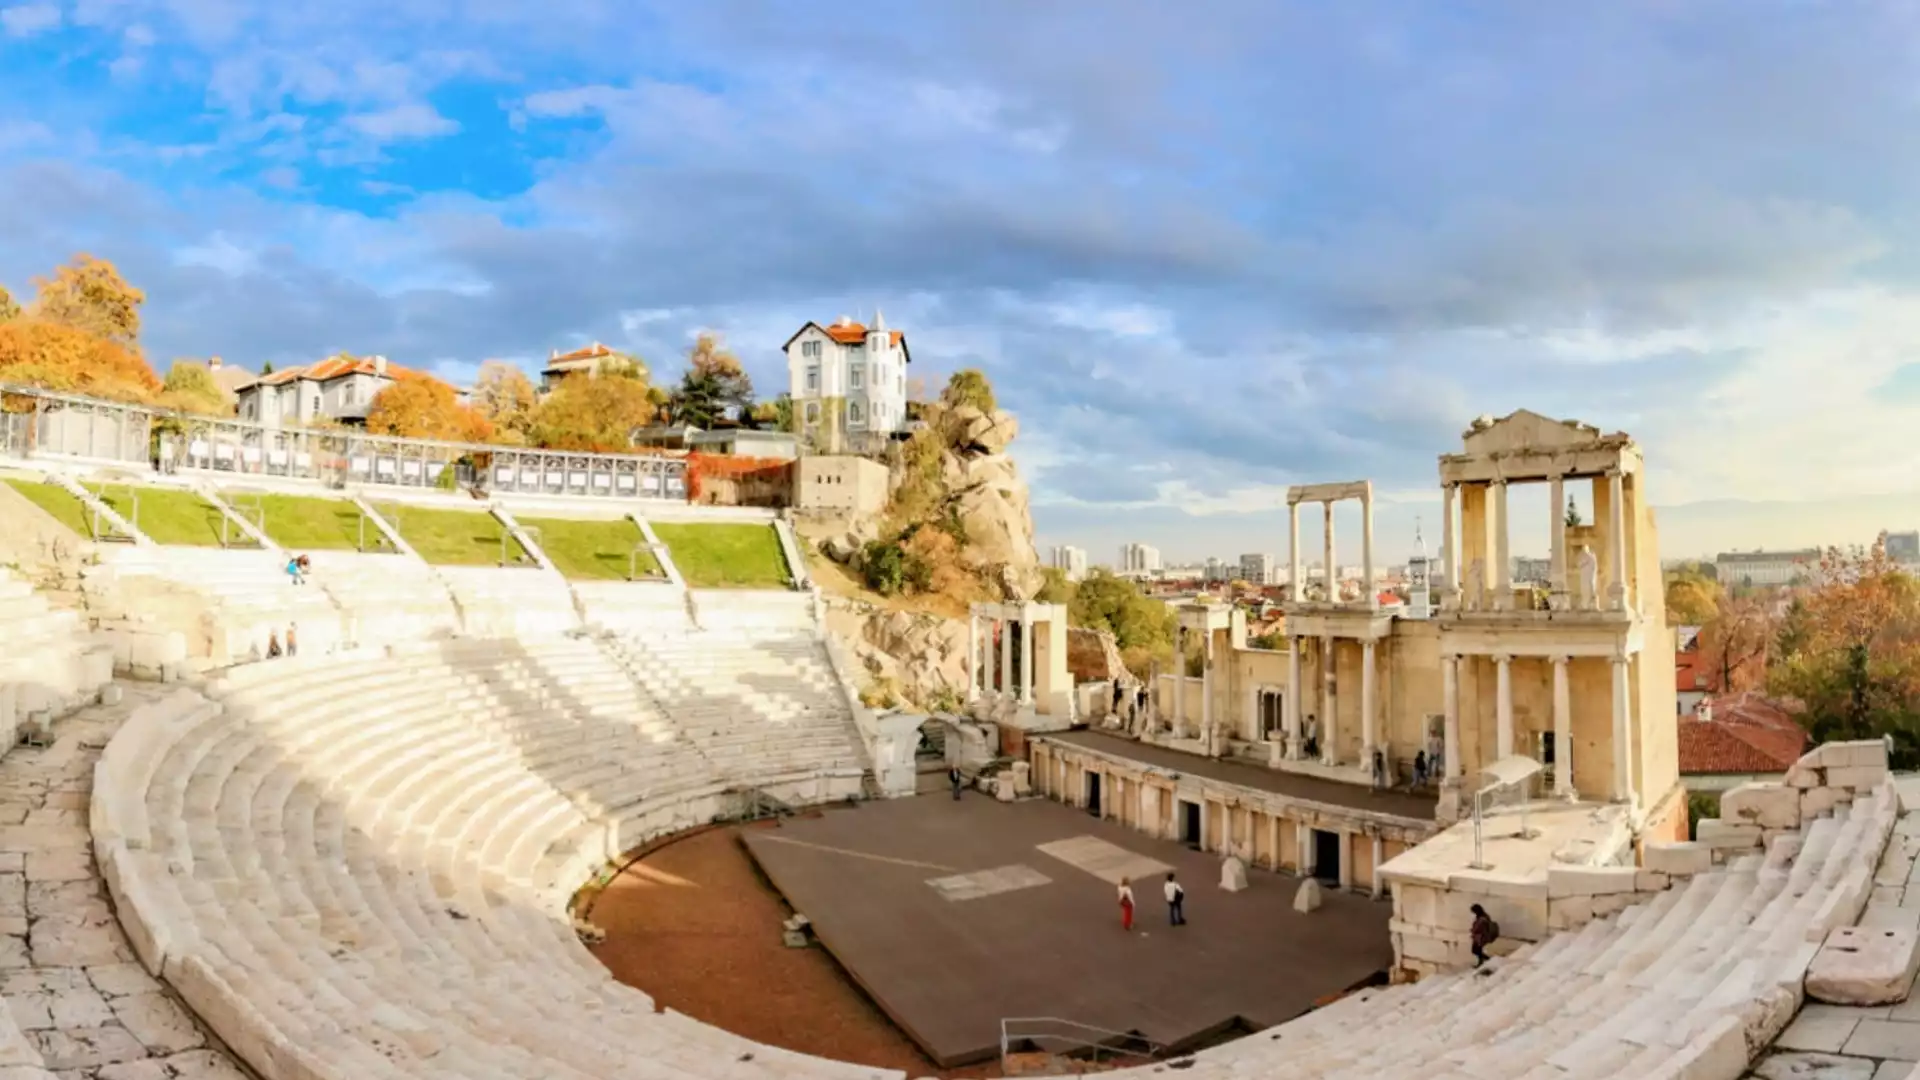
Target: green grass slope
592 550
725 555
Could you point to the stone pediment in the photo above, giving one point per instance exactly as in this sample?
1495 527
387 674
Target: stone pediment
1524 430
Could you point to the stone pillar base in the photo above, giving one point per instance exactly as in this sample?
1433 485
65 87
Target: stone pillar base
1447 810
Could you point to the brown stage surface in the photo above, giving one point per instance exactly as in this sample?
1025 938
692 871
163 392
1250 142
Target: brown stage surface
948 961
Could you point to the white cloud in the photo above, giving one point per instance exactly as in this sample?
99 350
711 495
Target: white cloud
402 122
1123 320
26 20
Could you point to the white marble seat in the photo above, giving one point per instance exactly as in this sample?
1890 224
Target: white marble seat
247 592
509 601
386 598
50 663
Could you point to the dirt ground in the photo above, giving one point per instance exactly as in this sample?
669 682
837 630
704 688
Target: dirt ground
695 926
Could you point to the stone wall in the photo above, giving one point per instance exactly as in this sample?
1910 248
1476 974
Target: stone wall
1831 775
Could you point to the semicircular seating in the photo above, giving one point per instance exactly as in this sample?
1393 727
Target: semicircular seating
357 866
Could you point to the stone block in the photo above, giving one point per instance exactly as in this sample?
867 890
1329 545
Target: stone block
1589 880
1677 859
1768 805
1725 835
1650 881
1815 802
1485 883
1856 777
1233 874
1802 775
1862 752
1571 911
1307 898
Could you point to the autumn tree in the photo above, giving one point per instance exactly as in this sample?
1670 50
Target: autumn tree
191 387
775 415
418 406
1736 642
1692 600
969 386
505 396
594 412
1849 649
36 352
714 385
89 295
9 307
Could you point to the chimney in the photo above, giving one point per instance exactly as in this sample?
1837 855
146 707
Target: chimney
213 363
380 365
845 320
1705 710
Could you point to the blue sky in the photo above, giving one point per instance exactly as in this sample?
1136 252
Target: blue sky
1205 250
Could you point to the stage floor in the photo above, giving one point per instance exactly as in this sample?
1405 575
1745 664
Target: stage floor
953 916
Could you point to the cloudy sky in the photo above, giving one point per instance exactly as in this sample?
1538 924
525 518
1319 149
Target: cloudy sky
1205 250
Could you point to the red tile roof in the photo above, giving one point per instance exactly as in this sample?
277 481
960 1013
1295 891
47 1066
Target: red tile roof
854 333
1747 734
591 352
333 367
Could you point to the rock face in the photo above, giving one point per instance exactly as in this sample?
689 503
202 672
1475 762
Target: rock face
923 656
1307 899
1092 656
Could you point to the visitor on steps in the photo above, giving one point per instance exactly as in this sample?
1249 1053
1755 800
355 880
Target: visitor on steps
1420 768
956 780
293 646
1126 904
294 570
1379 770
1119 695
273 645
1312 749
1176 902
1484 933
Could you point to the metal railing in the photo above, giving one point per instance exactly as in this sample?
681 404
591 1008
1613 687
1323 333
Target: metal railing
45 424
1059 1037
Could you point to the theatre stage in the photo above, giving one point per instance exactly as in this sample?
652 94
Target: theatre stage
953 916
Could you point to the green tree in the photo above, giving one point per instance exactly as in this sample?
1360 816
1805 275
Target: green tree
1055 587
1692 600
1573 514
1105 601
969 386
266 368
714 388
191 387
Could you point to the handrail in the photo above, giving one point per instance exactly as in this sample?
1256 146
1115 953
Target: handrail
1109 1041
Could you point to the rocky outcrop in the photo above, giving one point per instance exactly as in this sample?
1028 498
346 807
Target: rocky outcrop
921 658
1092 656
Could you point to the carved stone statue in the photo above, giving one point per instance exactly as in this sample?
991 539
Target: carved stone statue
1476 584
1589 578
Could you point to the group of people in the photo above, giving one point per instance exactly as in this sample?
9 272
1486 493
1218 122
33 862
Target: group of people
292 647
1176 902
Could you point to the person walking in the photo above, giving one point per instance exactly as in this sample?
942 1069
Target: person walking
1126 904
1379 770
1176 902
1484 933
293 646
956 780
1420 769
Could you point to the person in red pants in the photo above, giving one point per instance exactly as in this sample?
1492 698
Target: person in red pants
1126 904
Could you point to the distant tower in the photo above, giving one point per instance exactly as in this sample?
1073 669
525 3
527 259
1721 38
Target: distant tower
1419 586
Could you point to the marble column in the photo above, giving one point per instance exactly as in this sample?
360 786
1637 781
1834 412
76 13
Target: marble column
1305 834
1290 706
1502 576
1328 704
1379 856
1450 726
1345 869
1006 655
1295 581
1368 721
1616 540
1622 775
1207 734
973 657
1026 659
1562 731
1449 549
1333 567
1180 694
1503 705
1372 594
1557 545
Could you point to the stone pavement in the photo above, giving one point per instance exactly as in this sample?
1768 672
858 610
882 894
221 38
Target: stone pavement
1882 1042
82 1004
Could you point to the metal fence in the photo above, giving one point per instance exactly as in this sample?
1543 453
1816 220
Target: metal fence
44 424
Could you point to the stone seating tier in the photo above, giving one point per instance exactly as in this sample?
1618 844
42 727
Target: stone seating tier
248 593
355 866
50 663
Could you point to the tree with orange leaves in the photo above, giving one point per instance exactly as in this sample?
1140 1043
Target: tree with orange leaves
35 352
420 406
589 412
89 295
1736 642
1849 648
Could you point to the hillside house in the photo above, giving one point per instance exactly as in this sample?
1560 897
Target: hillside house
848 383
339 389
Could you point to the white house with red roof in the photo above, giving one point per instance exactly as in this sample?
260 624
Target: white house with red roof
847 381
338 389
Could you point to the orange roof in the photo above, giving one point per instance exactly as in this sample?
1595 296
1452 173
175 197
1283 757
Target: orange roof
855 333
333 367
591 352
1748 734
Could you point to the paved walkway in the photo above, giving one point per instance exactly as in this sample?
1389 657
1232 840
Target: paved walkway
82 1003
1834 1042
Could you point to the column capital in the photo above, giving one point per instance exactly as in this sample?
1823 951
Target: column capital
1561 660
1503 658
1498 481
1616 473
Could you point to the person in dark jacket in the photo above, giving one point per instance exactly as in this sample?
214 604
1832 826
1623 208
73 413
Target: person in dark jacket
1484 933
954 778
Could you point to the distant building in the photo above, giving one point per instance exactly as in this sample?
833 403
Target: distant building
1692 680
1139 559
1256 569
848 382
587 361
339 389
1903 547
1070 560
1764 568
231 380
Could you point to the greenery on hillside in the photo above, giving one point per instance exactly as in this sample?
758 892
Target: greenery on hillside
1142 627
593 550
166 515
309 523
451 537
725 555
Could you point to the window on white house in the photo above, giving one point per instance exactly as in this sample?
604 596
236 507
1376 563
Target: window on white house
857 375
813 380
853 412
813 412
810 349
